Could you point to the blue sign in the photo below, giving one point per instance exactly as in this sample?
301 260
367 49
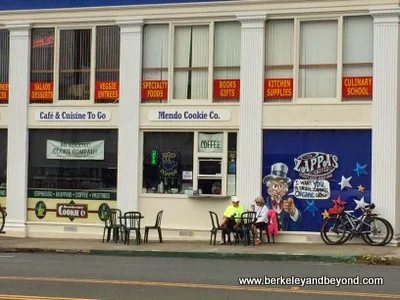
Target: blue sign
45 4
304 170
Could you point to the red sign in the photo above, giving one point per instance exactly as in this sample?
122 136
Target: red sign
154 89
43 41
3 91
41 91
72 210
277 88
357 87
107 90
226 89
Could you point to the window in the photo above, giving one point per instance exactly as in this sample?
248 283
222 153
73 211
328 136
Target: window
279 60
318 59
74 64
42 65
357 58
73 159
107 64
227 40
155 63
191 61
4 63
82 72
3 162
167 162
357 46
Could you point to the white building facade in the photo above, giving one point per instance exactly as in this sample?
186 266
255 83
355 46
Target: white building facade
179 106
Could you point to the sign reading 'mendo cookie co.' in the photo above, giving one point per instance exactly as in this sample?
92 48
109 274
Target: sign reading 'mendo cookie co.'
190 115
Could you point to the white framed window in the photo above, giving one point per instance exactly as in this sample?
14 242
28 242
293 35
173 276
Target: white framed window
80 64
279 60
227 49
191 61
318 59
155 63
4 64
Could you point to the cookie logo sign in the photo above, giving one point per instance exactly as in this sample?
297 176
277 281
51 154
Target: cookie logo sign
316 165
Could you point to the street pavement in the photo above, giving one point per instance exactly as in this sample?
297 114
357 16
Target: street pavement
353 253
54 276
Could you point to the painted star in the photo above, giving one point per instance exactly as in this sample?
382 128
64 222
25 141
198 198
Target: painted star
360 169
339 201
311 207
325 214
345 182
360 203
361 188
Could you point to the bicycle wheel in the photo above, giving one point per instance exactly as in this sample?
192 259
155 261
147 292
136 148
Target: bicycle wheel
3 215
389 237
333 231
375 231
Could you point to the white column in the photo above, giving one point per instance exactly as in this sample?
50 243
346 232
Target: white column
251 99
17 152
129 166
385 185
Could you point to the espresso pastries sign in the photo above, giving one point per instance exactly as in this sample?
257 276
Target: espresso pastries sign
211 143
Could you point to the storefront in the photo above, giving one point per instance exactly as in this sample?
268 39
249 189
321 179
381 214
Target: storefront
179 114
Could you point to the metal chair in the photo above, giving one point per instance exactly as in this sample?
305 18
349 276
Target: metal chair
216 227
156 226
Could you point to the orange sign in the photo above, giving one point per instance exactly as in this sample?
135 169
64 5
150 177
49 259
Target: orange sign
278 88
226 89
41 91
357 87
107 90
3 91
154 89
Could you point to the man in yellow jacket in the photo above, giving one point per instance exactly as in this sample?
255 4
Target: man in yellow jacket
232 213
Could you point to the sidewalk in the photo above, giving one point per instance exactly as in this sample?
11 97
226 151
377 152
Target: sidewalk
351 253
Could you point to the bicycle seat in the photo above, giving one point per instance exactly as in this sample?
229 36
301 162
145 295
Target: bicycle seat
370 206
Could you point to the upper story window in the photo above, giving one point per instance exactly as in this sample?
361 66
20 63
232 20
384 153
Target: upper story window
84 66
4 64
198 62
312 65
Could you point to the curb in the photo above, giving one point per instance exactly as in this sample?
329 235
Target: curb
358 259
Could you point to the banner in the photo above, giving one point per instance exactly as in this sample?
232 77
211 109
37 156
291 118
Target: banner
226 89
41 91
154 89
3 91
278 88
357 87
107 90
75 150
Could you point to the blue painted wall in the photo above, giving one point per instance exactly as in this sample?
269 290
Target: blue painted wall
350 147
47 4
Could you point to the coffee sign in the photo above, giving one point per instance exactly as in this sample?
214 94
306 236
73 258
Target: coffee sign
211 143
316 165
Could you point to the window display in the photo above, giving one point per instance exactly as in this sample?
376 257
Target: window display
73 159
167 156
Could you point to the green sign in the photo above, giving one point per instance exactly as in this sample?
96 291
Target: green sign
40 210
68 194
104 211
154 158
3 192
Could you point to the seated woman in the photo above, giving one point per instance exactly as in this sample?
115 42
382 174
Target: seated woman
261 217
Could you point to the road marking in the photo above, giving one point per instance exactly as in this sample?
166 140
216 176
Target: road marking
6 256
203 286
24 297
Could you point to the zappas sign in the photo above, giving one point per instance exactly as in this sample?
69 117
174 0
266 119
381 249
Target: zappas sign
316 165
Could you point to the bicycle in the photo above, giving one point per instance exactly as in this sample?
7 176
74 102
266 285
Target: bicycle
345 226
3 215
